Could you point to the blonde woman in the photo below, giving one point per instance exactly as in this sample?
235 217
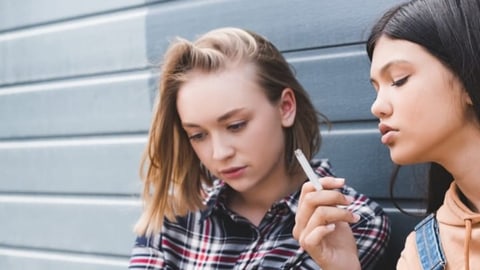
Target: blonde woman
222 184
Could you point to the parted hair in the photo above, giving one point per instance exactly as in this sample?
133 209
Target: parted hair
173 176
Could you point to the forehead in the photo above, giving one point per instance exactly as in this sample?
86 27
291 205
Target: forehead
209 95
390 52
233 81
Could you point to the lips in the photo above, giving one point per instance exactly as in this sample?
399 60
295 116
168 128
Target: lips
384 128
233 172
387 133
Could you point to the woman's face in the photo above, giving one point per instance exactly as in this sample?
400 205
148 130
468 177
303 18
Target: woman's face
420 104
233 128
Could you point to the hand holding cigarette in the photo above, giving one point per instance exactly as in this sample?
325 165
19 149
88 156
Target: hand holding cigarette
321 227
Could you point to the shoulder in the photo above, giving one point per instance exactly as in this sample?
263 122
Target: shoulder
409 257
425 235
172 230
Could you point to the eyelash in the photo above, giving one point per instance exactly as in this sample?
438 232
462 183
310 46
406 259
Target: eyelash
237 126
400 82
234 128
196 137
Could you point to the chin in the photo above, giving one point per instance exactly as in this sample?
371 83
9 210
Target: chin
401 158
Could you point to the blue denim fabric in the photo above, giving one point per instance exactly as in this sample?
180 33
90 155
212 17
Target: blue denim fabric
428 244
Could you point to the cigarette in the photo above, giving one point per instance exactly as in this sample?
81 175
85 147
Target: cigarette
308 169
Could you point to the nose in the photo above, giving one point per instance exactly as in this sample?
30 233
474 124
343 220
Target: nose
381 107
221 148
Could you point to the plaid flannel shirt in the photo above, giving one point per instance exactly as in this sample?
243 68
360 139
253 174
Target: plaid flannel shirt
217 238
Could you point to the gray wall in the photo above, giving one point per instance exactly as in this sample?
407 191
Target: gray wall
77 83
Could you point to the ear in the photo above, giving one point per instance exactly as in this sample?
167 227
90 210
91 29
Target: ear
468 100
288 107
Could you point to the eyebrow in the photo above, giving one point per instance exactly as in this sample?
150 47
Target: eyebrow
221 118
388 65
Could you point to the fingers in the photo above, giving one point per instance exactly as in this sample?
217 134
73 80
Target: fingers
321 226
326 182
311 240
332 246
309 218
323 216
310 199
332 182
317 209
324 198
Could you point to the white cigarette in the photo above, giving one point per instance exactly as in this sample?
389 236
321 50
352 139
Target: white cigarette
308 169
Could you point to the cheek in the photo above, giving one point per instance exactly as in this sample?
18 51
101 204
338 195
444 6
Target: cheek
408 111
415 104
268 142
266 132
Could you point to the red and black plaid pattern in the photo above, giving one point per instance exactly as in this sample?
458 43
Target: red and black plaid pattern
218 239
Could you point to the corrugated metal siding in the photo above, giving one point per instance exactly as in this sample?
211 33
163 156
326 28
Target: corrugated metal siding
77 83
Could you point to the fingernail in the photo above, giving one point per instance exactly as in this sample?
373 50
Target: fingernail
340 180
356 217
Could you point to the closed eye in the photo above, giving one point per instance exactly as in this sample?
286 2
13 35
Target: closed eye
400 82
196 136
235 127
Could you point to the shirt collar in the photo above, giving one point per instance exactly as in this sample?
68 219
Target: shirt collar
217 201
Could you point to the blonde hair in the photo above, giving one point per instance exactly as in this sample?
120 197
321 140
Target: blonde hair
175 179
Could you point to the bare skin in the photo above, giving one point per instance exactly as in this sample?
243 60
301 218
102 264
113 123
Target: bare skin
322 228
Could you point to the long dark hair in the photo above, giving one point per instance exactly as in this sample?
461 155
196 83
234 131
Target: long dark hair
439 181
450 31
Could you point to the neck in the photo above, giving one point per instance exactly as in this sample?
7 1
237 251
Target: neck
468 182
254 204
463 165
